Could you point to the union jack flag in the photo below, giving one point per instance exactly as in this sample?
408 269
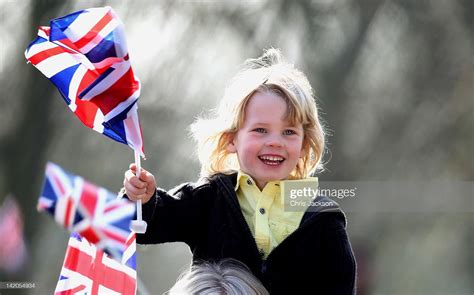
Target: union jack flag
88 270
85 55
91 211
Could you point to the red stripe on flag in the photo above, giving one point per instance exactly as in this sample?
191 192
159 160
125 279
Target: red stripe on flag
86 111
112 207
45 54
69 212
94 31
71 291
90 234
117 93
89 198
45 29
131 240
57 182
99 273
69 44
113 236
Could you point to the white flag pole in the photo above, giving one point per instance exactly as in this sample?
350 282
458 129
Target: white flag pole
139 225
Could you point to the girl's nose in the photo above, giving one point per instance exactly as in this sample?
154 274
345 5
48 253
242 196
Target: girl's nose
274 141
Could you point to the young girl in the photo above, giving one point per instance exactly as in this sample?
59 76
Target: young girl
265 132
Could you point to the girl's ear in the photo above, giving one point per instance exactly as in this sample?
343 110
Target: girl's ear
231 148
230 143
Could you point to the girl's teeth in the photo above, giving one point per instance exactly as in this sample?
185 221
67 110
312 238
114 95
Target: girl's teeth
272 160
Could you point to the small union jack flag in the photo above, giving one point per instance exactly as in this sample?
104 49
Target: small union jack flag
91 211
85 55
88 270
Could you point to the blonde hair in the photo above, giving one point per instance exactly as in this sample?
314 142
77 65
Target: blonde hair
227 277
268 73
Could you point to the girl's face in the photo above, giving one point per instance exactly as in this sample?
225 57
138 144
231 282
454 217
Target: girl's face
268 146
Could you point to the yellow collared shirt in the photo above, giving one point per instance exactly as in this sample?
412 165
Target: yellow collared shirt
264 212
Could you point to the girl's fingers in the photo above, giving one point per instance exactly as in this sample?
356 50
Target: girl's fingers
135 181
149 179
143 172
139 188
129 174
132 190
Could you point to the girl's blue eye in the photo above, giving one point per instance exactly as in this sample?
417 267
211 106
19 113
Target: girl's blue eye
260 130
289 132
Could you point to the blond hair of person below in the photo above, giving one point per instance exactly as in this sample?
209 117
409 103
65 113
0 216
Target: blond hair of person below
225 277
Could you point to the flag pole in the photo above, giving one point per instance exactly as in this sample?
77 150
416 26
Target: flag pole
138 225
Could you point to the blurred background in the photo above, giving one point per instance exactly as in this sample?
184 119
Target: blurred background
394 83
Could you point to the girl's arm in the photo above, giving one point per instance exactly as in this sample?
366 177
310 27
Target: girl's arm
176 215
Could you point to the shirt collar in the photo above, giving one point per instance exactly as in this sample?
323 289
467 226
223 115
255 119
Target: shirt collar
245 179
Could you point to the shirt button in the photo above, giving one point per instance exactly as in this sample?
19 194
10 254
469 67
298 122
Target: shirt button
261 252
262 210
249 182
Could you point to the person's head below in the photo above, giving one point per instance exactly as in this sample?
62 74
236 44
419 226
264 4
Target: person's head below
266 125
226 277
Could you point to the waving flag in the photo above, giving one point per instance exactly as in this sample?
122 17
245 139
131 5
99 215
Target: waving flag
91 211
85 55
88 270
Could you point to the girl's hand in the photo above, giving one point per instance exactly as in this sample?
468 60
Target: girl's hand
141 188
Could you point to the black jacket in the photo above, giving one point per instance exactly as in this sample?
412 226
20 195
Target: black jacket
315 259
